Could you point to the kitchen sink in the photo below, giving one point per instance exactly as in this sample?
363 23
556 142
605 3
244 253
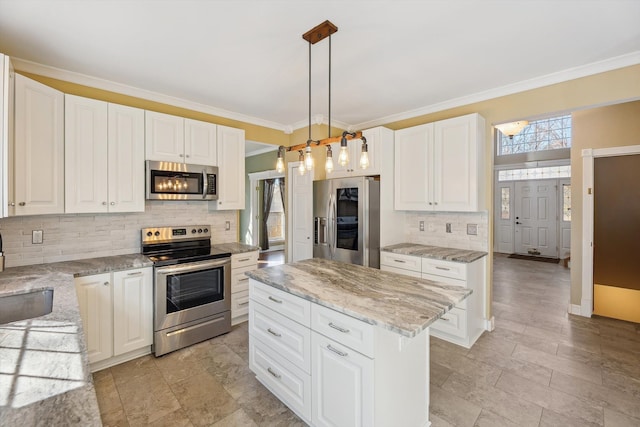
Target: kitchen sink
26 305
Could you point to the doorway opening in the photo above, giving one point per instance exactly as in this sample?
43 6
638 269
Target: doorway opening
268 219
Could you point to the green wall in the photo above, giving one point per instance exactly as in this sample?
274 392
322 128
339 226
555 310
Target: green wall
260 163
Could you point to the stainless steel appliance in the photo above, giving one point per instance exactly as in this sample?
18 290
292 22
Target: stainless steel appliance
181 181
192 286
347 220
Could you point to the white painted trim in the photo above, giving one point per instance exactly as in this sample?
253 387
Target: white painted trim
574 309
588 156
534 164
254 177
95 82
292 167
490 324
622 61
262 151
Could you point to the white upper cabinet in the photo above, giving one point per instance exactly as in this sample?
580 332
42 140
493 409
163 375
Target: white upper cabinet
231 175
176 139
39 148
104 157
438 165
6 136
354 148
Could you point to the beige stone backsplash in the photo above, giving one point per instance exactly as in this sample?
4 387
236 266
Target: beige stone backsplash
435 229
78 236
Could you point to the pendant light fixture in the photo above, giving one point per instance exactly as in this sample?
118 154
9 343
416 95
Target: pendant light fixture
313 36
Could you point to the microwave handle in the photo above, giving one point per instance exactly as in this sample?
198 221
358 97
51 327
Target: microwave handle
205 186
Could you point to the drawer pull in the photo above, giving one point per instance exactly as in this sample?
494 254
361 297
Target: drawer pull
244 279
338 328
243 303
400 261
278 376
243 259
135 273
277 301
446 319
442 268
275 334
336 351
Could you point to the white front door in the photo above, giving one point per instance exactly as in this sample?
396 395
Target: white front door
300 214
536 222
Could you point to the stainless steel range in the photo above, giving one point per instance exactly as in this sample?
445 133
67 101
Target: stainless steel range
192 286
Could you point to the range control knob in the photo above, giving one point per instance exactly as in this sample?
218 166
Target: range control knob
193 231
199 230
157 233
206 230
149 233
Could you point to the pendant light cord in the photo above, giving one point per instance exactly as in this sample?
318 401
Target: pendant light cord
329 87
309 139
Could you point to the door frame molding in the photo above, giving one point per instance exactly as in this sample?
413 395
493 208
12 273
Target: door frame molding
254 177
588 156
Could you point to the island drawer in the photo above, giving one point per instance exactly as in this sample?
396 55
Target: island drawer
453 322
249 259
291 306
344 329
240 303
239 280
405 262
454 270
289 339
286 381
393 269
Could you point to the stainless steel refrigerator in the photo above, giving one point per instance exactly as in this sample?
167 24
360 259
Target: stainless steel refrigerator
346 220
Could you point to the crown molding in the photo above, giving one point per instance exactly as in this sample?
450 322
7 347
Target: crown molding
610 64
98 83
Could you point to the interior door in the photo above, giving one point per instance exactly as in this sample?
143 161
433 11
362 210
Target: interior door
300 208
536 223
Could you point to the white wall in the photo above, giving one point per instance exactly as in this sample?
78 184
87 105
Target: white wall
77 236
435 229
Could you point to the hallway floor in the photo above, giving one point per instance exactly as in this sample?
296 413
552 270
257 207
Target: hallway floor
539 367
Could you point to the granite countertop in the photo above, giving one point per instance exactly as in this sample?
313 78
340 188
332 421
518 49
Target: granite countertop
236 247
44 368
435 252
396 302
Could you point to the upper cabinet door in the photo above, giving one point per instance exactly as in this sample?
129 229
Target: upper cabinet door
39 148
7 97
200 142
164 137
126 159
413 172
85 155
230 169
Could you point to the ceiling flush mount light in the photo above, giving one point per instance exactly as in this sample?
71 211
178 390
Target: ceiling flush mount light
513 128
313 36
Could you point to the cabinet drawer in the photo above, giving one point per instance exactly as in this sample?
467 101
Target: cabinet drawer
449 281
406 262
400 271
453 323
344 329
454 270
239 303
287 338
289 383
239 280
247 259
291 306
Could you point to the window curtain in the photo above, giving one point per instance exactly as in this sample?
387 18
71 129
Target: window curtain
280 182
267 198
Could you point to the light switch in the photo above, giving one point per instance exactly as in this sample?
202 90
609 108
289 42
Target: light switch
36 237
227 225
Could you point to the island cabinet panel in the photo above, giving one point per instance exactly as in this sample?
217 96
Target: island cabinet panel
351 332
291 306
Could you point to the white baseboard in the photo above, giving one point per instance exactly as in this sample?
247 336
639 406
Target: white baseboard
113 361
490 324
575 309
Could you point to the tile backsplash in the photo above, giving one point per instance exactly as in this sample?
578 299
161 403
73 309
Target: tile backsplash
76 236
435 225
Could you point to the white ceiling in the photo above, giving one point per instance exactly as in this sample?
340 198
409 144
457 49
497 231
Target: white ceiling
390 59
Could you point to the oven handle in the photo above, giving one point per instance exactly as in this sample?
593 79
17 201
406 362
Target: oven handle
193 266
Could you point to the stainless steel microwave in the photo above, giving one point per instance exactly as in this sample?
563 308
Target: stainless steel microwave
181 181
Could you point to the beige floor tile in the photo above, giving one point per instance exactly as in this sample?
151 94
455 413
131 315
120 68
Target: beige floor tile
116 418
106 392
255 399
489 419
436 421
453 409
177 418
539 343
479 371
179 365
621 382
133 369
554 419
576 354
147 398
224 364
556 363
616 419
438 373
238 418
204 399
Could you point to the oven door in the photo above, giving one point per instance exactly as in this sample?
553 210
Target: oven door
191 291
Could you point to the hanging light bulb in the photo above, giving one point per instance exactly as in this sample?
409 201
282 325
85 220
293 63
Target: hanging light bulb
301 168
308 158
343 157
328 166
364 157
280 160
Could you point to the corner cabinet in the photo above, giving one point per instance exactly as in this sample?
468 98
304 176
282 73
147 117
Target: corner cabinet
231 177
104 157
117 315
176 139
439 166
38 149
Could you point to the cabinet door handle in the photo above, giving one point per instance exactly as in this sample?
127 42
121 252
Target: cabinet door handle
243 279
446 319
272 332
112 203
435 203
243 259
400 261
135 273
336 351
278 376
104 203
181 155
277 301
442 268
430 203
338 328
106 283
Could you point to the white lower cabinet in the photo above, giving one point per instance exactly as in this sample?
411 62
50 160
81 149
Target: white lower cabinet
117 315
335 370
240 264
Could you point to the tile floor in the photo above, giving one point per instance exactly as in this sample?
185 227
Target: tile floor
540 367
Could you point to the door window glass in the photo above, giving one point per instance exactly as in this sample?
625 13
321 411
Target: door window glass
347 218
566 202
504 210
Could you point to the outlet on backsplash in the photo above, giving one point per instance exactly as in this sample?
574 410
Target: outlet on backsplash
227 225
421 225
472 229
448 227
36 237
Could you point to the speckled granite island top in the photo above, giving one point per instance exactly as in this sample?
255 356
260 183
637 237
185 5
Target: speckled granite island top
396 302
435 252
44 369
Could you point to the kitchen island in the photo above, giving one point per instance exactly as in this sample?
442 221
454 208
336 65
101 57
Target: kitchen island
343 344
